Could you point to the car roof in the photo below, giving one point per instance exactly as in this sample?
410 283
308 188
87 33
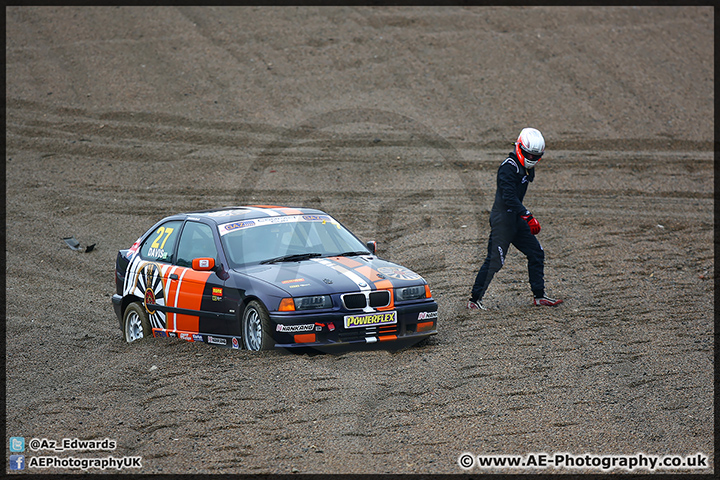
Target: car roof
248 212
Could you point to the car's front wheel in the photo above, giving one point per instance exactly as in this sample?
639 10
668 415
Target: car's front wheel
256 327
136 324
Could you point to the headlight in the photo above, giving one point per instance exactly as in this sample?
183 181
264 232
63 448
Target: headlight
314 302
410 293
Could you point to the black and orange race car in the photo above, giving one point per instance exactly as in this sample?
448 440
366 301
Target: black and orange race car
262 277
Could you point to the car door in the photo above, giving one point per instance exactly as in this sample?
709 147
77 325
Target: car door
195 297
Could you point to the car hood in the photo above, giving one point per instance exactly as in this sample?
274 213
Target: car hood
334 275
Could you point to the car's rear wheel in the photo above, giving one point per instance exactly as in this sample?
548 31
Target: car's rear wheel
256 327
136 324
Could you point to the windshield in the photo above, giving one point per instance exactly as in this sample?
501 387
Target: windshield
287 238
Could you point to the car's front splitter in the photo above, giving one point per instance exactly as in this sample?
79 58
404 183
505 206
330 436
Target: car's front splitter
234 342
405 340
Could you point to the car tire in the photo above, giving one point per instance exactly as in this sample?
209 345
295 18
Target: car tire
256 327
136 324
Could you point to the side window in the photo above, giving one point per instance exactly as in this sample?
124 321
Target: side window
196 241
160 245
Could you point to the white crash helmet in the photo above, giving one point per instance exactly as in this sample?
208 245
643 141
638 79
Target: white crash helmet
529 147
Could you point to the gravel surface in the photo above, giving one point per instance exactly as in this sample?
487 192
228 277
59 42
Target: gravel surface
393 120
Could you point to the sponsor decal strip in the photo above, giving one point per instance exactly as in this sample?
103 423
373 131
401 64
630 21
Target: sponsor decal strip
188 337
295 328
222 340
217 340
274 218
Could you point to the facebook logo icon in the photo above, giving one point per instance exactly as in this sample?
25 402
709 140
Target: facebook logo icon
17 462
17 444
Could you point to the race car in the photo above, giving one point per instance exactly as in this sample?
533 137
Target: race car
263 277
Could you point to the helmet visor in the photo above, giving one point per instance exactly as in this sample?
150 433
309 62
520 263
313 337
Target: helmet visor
533 157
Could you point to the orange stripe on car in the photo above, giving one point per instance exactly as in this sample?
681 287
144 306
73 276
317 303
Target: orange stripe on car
381 283
386 285
369 273
192 287
348 262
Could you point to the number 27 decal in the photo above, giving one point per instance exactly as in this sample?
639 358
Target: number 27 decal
162 231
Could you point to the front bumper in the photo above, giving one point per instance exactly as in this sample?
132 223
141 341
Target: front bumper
407 323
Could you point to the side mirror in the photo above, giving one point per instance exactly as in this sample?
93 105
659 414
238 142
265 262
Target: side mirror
203 264
372 246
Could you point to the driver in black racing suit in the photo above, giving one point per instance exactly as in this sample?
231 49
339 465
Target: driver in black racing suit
512 223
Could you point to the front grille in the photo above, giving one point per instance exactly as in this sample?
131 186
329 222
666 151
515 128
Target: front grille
380 299
358 301
354 301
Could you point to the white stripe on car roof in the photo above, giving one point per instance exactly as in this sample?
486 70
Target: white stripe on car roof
269 211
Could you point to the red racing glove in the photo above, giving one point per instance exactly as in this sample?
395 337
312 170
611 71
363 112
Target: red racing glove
532 223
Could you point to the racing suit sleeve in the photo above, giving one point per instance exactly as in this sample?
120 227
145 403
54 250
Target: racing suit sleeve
507 184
